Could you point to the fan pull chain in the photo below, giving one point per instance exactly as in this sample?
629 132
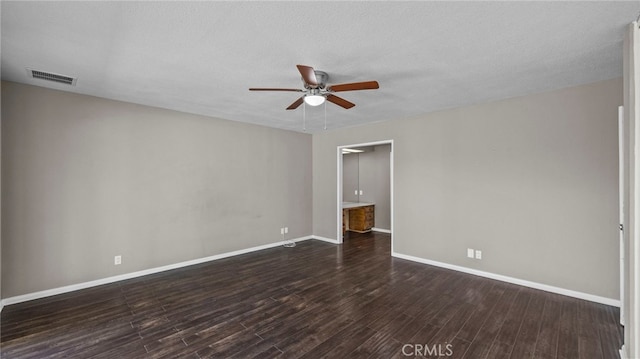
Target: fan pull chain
304 117
325 115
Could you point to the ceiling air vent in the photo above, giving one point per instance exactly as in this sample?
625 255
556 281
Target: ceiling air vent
49 76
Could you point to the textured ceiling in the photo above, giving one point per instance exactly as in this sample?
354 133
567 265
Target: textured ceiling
201 57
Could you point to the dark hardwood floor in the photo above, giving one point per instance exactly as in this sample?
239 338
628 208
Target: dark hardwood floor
316 300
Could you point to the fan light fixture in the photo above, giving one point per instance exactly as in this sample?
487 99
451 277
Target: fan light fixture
314 100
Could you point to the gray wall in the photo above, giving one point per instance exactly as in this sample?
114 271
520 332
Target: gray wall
531 181
375 183
84 179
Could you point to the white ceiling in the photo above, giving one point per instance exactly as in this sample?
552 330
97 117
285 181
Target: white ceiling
201 57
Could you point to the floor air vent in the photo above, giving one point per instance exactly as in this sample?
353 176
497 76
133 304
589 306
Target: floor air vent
49 76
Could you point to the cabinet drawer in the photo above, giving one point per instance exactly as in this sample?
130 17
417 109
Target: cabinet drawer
360 219
356 215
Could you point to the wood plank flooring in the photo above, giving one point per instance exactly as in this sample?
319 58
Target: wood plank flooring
316 300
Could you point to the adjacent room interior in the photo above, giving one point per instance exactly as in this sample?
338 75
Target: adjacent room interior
464 185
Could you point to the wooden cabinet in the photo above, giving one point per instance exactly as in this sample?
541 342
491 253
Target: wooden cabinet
361 219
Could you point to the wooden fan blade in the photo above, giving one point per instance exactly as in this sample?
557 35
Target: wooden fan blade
295 105
274 89
367 85
308 74
340 101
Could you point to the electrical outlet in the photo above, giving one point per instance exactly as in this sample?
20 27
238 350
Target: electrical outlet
356 192
478 254
117 260
361 192
469 252
286 230
282 230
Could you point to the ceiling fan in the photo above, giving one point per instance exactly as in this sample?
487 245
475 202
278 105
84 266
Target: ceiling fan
316 90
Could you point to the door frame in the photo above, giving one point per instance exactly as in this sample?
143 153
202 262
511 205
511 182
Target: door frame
621 196
339 184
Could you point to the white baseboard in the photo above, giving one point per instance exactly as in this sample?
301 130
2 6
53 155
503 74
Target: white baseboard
381 230
325 239
74 287
522 282
94 283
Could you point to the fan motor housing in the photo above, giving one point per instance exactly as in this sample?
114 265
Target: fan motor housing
321 77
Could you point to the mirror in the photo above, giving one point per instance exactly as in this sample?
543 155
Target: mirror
364 173
350 176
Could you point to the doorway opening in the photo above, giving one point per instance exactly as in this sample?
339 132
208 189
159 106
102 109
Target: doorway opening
365 186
